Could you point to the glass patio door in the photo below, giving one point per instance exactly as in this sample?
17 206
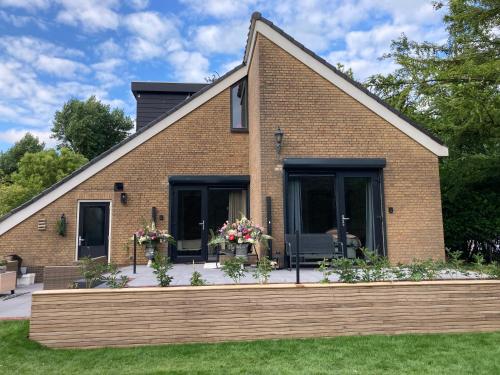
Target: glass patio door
339 209
190 224
360 221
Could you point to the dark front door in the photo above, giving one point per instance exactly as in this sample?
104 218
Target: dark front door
93 229
189 226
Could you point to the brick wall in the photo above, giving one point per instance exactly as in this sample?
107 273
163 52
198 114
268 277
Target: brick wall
199 144
319 120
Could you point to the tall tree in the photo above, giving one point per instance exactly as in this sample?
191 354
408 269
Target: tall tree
10 158
453 89
36 172
90 127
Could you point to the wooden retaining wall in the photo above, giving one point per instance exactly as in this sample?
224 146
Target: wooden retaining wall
140 316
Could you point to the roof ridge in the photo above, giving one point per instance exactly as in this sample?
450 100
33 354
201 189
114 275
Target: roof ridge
257 16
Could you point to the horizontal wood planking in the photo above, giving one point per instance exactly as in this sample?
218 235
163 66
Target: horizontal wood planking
142 316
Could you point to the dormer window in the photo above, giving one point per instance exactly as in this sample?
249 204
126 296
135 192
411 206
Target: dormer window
239 106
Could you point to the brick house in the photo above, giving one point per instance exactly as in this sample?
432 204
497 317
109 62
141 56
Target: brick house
350 171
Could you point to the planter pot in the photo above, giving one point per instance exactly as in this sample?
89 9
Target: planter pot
149 253
242 250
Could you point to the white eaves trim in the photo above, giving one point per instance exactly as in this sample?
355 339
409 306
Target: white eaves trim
345 86
64 188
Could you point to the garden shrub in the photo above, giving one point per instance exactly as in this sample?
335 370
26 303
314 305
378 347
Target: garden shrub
324 268
263 270
373 267
233 268
161 265
196 279
91 271
112 280
344 267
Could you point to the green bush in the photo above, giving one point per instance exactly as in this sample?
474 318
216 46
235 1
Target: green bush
373 267
113 280
196 279
344 267
263 270
233 268
324 268
91 271
161 265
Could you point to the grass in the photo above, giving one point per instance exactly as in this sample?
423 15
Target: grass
406 354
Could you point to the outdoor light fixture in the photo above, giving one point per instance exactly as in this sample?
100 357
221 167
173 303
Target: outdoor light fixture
123 198
278 135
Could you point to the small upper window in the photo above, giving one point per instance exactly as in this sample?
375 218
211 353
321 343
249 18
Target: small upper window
239 115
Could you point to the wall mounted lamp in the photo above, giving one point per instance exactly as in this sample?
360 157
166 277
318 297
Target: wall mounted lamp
278 136
123 198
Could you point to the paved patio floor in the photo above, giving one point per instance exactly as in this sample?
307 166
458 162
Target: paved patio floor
18 306
213 276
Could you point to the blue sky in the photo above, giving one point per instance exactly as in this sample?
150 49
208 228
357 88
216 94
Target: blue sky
51 51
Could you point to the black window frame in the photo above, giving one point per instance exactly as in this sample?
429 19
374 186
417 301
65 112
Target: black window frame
244 106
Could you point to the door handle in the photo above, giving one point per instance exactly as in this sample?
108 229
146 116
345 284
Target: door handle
202 223
80 241
344 219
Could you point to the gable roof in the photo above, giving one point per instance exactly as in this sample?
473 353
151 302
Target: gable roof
258 25
57 190
354 89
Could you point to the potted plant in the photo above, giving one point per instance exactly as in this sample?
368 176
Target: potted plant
3 265
150 237
240 235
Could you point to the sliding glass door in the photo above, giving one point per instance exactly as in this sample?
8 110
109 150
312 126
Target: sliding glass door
341 207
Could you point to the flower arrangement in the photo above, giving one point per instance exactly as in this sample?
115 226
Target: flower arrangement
242 231
150 236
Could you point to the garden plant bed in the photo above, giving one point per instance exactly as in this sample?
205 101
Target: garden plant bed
142 316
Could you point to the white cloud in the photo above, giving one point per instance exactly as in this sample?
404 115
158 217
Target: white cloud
150 26
14 135
221 8
105 72
92 15
138 4
227 38
109 48
61 67
25 4
152 35
43 56
189 66
20 21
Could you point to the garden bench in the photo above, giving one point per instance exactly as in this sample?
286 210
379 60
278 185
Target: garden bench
313 248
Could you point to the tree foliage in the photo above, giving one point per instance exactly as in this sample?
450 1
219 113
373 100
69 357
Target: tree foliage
90 127
36 172
10 158
453 89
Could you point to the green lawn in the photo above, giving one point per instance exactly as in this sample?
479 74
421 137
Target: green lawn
406 354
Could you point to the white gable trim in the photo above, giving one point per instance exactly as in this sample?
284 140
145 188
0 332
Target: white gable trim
344 85
85 174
